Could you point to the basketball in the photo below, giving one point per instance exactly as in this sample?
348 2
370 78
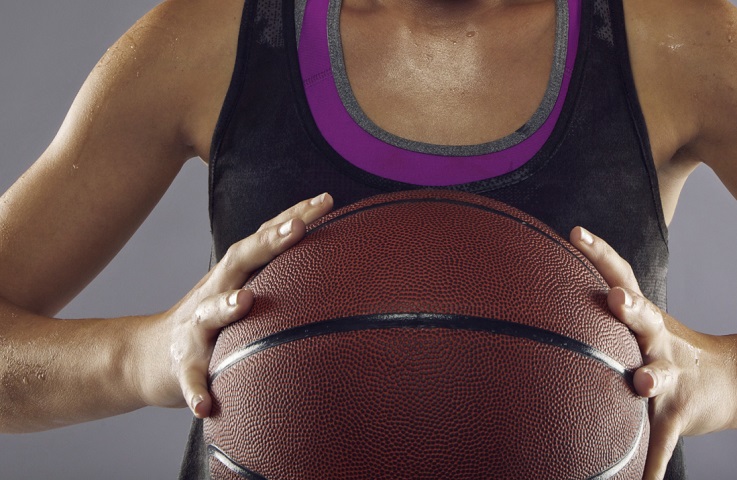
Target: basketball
427 334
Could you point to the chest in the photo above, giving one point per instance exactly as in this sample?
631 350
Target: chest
454 81
477 78
588 171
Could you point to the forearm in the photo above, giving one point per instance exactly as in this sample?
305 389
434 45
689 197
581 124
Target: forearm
729 360
60 372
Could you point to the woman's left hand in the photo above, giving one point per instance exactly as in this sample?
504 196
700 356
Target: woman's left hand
688 376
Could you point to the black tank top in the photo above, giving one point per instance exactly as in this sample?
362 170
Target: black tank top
595 169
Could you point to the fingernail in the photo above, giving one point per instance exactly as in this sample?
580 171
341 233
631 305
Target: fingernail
318 200
233 299
627 299
586 237
195 402
286 228
654 378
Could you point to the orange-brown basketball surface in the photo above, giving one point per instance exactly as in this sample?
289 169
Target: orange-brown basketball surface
422 335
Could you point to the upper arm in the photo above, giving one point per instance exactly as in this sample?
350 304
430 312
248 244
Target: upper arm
684 59
710 74
126 136
698 68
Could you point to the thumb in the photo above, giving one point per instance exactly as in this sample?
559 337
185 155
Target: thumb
663 440
193 381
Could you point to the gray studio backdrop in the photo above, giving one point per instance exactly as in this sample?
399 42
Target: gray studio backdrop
47 47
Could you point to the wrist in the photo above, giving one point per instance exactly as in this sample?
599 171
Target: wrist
729 360
147 364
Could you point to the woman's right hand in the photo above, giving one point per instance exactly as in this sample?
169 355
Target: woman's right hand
173 366
144 110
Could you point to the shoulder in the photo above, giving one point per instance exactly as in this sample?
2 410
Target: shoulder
684 59
691 38
179 57
680 18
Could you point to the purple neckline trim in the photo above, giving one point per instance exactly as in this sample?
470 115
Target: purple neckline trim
377 157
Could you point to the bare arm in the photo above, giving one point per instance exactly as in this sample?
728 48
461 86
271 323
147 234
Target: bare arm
714 64
148 106
684 57
118 150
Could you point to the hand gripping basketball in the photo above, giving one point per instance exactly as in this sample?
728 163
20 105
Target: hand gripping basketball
185 335
685 373
426 334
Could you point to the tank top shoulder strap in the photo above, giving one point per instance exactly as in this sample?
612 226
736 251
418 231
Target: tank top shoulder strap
610 27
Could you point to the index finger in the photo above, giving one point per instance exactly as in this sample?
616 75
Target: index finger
617 272
273 238
307 210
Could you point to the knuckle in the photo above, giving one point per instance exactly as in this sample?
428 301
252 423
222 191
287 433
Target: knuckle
300 207
637 301
607 253
655 316
599 251
230 255
236 253
631 281
629 274
647 350
230 252
264 226
298 210
266 239
201 314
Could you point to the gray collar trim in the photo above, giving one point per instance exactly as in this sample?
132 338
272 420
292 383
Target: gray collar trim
351 104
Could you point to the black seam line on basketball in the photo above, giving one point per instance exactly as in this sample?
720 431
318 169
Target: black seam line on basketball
420 321
617 467
215 452
465 204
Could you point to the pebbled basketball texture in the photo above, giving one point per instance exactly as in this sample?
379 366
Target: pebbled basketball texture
427 334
